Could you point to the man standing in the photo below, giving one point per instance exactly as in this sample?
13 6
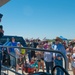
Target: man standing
12 52
48 58
58 57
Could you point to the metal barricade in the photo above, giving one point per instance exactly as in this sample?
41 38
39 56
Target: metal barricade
11 70
44 50
8 69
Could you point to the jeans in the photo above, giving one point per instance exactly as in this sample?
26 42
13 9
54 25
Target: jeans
49 65
29 56
12 59
59 71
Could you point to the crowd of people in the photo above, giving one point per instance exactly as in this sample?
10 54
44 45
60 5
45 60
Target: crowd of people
43 59
50 59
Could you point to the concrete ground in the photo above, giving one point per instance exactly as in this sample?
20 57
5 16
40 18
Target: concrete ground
10 73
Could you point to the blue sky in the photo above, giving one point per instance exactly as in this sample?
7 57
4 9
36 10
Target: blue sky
39 18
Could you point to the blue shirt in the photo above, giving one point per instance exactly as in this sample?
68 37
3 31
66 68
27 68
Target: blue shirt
8 43
60 48
13 44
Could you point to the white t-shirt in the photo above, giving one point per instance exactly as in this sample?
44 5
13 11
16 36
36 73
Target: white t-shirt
73 62
17 50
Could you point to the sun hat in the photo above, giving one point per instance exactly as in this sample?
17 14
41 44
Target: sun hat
58 39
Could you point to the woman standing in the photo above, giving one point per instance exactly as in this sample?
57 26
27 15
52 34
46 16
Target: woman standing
40 57
48 58
19 57
73 61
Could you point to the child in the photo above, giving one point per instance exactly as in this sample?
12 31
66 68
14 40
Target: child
34 64
30 67
73 61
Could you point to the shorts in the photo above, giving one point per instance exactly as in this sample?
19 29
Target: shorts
39 60
68 54
42 59
73 64
20 62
